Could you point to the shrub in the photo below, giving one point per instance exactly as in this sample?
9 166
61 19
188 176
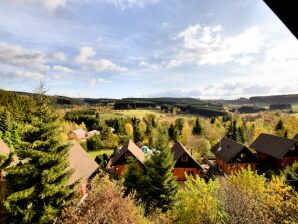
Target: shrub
104 204
93 143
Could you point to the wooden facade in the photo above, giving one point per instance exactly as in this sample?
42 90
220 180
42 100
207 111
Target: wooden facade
232 156
184 163
129 151
275 152
230 168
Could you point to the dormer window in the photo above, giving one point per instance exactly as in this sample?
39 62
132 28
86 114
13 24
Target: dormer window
184 158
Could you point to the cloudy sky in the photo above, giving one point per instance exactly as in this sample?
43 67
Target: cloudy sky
146 48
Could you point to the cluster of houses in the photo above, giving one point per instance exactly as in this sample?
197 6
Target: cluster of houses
230 156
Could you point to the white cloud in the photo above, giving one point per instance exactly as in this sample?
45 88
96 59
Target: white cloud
19 56
94 82
209 45
85 55
51 5
148 66
62 69
59 56
123 4
29 75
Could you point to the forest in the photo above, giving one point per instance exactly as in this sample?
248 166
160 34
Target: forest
35 187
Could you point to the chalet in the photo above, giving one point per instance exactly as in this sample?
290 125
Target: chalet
277 151
128 151
4 151
232 156
184 163
82 165
78 134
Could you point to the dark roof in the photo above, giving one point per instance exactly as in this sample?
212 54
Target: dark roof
82 164
272 145
296 137
3 148
229 149
178 150
133 149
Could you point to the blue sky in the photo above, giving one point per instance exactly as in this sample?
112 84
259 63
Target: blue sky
146 48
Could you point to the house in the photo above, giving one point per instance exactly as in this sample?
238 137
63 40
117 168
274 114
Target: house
128 151
184 163
4 151
232 156
78 134
276 151
83 166
93 132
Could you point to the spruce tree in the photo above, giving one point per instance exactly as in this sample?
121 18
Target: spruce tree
197 129
242 137
160 184
39 186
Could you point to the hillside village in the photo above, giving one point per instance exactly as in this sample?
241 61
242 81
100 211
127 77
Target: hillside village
159 160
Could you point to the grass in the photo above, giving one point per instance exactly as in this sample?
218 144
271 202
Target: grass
95 153
137 112
295 107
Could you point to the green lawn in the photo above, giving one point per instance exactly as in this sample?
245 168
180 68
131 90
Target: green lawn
95 153
137 113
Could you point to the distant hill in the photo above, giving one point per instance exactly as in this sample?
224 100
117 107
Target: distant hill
277 99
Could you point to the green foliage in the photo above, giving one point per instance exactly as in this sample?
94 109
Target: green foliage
93 143
133 179
199 202
102 160
174 133
39 187
197 129
242 137
84 145
291 175
179 123
137 134
161 186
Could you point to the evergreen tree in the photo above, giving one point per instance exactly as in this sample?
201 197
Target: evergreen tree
171 131
242 137
133 179
137 135
161 186
279 126
197 129
212 120
39 187
232 132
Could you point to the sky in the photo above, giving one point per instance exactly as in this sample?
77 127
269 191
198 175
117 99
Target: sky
215 49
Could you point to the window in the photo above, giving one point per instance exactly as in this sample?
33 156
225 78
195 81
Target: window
184 158
190 173
243 155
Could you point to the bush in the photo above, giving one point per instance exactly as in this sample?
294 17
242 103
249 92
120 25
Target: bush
84 145
104 204
93 143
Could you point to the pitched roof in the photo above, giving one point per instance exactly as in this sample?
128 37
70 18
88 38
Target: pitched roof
79 160
226 149
79 132
296 137
272 145
3 148
178 150
133 149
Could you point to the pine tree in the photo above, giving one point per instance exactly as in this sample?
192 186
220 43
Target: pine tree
197 129
161 186
39 187
232 132
242 137
133 179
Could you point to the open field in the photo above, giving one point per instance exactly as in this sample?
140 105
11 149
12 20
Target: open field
295 108
95 153
137 112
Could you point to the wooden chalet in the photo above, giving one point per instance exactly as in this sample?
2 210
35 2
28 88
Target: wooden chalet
83 166
232 156
277 151
184 163
128 151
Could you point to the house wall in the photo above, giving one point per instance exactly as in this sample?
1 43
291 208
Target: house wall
229 168
119 169
288 161
179 173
